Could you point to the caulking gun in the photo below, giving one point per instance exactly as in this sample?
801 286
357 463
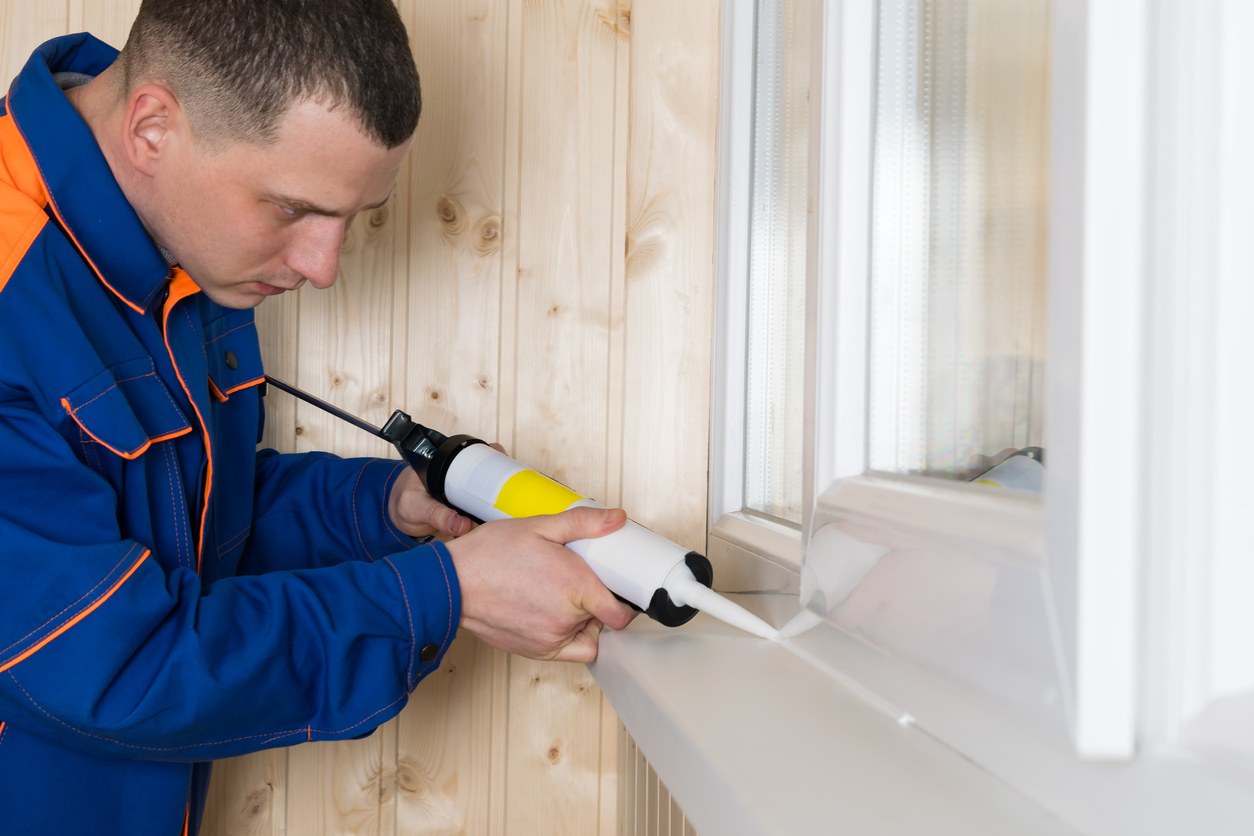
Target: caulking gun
645 570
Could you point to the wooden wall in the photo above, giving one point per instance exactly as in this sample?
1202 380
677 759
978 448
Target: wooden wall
543 275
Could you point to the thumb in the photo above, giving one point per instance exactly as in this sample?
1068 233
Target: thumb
580 524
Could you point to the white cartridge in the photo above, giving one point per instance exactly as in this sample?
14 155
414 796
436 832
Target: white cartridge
634 562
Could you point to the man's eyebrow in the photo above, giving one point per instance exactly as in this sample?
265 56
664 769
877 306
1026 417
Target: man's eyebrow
305 207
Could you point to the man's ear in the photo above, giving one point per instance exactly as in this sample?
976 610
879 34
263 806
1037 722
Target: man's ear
154 126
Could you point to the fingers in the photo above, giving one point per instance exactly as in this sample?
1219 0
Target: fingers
447 521
580 524
583 646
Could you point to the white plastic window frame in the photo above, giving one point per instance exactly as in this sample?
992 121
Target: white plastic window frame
1089 520
730 523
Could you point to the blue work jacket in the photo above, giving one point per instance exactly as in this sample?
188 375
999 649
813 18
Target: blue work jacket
168 595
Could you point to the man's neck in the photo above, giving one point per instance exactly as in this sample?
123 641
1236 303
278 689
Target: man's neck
97 103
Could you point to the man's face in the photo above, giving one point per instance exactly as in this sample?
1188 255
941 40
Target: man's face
253 221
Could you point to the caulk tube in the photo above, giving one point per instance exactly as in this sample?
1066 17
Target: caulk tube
661 578
634 563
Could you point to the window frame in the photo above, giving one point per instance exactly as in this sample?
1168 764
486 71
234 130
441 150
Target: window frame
1095 246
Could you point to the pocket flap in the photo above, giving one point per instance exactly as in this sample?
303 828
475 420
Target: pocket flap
126 408
233 354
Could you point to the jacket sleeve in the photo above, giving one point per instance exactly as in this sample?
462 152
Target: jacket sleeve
315 509
103 651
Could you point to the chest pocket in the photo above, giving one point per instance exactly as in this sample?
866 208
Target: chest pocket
233 354
126 408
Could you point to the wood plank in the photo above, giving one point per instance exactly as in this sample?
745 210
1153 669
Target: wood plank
343 786
554 737
445 367
670 264
24 25
247 796
108 20
455 226
345 358
444 769
610 759
569 55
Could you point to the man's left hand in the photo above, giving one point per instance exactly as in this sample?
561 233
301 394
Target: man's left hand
416 513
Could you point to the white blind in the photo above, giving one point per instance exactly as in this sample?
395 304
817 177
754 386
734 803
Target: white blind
774 393
958 242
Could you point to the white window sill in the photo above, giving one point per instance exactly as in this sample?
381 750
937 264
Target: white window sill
751 739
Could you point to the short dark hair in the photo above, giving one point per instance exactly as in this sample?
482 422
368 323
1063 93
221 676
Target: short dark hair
237 66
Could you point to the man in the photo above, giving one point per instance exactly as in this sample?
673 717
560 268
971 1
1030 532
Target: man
167 595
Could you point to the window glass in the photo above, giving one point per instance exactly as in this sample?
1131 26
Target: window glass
774 393
958 241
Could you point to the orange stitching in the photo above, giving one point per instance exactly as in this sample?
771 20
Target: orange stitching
138 451
413 638
72 410
279 736
356 484
365 719
136 377
77 617
82 440
4 727
129 552
388 525
309 732
233 538
449 588
169 472
224 333
271 735
132 745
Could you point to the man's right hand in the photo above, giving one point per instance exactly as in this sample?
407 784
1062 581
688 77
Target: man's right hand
524 592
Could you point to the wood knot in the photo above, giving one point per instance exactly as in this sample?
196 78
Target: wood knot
336 380
555 310
616 22
378 397
349 241
434 395
408 778
300 430
487 237
554 754
451 215
483 382
378 219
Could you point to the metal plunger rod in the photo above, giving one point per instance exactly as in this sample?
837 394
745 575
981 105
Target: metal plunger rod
321 404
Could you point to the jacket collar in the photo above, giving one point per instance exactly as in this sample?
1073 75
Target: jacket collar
82 192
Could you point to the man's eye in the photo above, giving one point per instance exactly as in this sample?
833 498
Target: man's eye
291 213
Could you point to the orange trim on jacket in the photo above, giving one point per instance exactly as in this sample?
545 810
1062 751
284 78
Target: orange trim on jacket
134 454
30 651
182 286
222 396
43 191
22 199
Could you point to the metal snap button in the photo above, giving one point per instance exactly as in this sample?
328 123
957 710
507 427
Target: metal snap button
428 653
232 362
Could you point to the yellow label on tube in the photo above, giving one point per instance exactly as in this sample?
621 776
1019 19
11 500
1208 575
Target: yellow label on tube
528 493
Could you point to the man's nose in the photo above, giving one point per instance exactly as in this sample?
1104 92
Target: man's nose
316 254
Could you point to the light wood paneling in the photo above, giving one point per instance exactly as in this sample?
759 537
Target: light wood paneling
108 20
248 796
543 276
24 25
671 211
